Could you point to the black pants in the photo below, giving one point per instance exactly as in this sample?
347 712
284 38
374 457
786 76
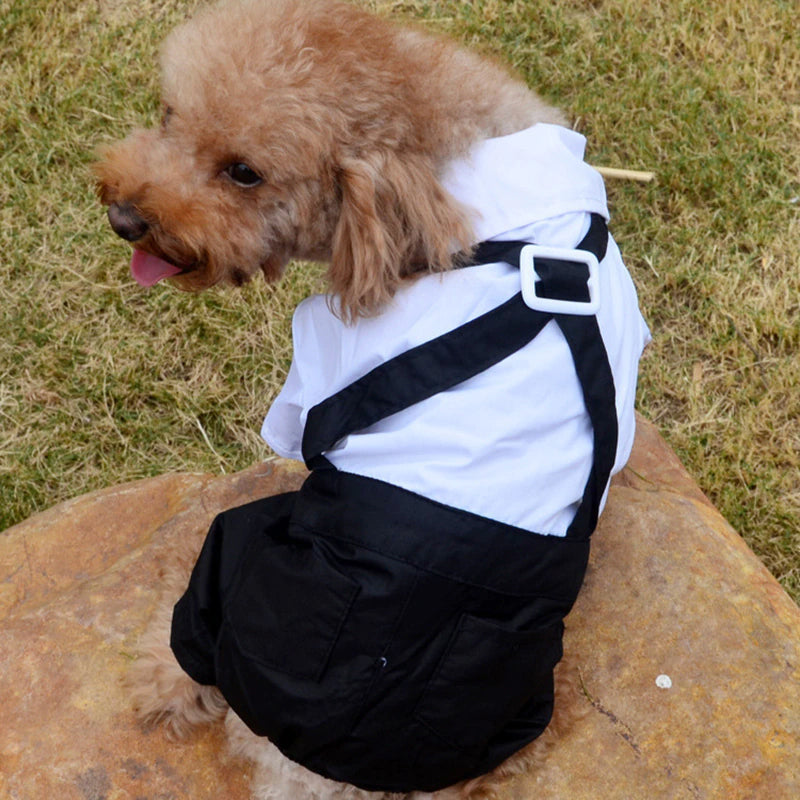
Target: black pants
377 637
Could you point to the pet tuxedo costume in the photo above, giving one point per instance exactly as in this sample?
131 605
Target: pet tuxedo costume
395 623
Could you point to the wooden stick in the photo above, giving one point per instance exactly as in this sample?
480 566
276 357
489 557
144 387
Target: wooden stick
626 174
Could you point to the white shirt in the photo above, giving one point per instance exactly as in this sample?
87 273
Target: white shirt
514 443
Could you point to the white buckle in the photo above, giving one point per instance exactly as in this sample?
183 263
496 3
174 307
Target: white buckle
530 278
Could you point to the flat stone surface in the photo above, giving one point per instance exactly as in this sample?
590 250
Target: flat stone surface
671 591
77 585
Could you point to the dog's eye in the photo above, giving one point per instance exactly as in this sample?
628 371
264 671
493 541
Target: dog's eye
242 175
165 115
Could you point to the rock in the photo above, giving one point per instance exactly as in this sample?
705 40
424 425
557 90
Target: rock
77 585
688 650
672 591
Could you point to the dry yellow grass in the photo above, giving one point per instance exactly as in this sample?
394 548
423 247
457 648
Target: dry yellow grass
101 382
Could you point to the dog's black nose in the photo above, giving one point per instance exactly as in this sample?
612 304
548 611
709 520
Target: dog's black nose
126 222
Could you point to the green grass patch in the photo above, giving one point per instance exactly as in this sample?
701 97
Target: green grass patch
101 382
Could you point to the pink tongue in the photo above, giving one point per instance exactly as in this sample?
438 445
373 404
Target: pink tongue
148 269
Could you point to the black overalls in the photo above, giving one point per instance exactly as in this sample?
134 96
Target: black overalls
375 636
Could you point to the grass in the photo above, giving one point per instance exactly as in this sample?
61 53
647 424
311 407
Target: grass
101 382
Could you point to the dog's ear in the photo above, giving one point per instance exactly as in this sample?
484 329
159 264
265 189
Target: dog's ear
395 219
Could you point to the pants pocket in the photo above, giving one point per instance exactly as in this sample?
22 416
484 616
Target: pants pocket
486 676
290 608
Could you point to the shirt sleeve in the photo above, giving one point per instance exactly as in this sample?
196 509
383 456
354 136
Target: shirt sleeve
283 426
313 371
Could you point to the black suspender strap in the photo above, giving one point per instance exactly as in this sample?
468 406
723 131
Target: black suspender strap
595 241
420 373
597 383
460 354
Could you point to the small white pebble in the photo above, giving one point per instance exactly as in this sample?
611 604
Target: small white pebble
664 682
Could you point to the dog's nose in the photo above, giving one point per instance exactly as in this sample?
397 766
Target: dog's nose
126 222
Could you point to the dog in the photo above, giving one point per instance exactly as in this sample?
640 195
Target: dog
313 130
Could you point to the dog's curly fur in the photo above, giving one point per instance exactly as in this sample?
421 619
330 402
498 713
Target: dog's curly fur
346 121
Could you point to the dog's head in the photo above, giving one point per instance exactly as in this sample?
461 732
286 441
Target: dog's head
291 129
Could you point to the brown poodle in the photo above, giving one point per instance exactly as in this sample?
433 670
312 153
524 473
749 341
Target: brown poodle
303 129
